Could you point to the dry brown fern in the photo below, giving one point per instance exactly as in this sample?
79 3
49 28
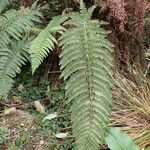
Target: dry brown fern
130 15
26 3
117 10
139 10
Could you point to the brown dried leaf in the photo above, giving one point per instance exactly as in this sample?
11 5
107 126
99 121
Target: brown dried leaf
10 111
21 88
16 99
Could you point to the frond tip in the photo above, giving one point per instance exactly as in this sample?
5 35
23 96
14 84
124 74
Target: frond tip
44 42
86 66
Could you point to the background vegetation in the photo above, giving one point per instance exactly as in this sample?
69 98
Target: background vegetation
91 48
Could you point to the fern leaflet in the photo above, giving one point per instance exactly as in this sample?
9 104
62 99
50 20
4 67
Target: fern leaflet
4 3
14 23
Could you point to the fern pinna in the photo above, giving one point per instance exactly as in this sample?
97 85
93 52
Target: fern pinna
14 23
86 66
4 3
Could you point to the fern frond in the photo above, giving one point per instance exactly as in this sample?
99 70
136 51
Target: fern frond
13 23
86 66
45 41
4 3
11 60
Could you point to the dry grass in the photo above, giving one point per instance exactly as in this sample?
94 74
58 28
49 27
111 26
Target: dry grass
131 109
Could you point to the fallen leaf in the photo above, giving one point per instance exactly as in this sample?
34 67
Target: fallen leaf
10 111
51 116
39 107
61 135
16 99
22 124
41 142
21 88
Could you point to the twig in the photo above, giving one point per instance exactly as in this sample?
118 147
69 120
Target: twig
53 72
76 1
64 129
6 104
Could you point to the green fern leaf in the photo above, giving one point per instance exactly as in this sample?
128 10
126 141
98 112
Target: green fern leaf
86 66
45 41
14 23
116 140
11 60
4 3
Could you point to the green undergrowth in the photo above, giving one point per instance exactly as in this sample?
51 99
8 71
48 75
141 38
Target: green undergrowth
32 132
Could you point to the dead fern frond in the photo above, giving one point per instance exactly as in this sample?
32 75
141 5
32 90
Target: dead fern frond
117 10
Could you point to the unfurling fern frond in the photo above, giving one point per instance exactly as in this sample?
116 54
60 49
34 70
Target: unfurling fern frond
86 66
11 60
4 3
13 23
44 42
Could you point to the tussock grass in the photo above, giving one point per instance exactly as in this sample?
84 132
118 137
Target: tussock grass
131 109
